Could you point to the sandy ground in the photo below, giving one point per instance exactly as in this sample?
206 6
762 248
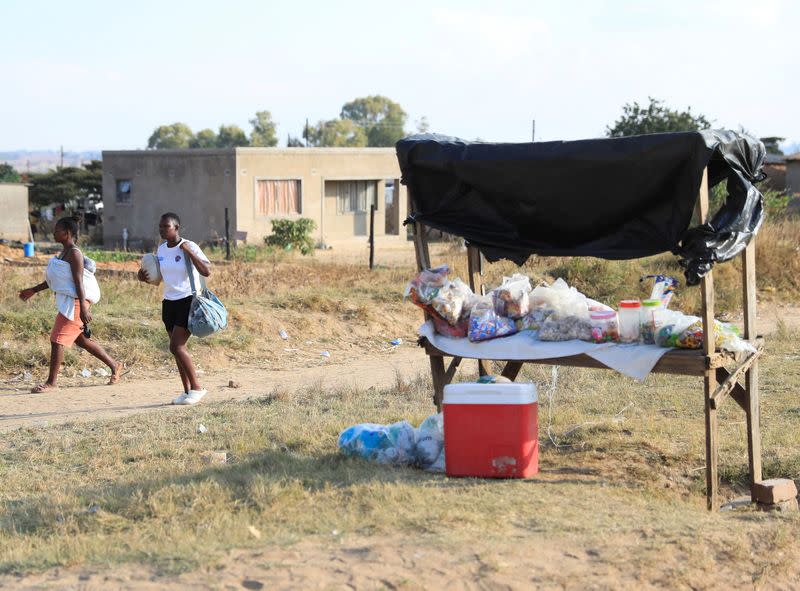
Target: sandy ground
92 399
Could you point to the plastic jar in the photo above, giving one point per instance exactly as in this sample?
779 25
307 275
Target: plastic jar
605 327
648 324
629 321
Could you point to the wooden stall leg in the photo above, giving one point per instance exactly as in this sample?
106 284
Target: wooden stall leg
439 380
751 377
511 370
710 377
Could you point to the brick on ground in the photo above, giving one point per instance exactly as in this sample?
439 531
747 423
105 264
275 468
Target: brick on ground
774 490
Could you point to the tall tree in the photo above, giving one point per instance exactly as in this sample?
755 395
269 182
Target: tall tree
655 118
170 137
336 133
264 132
63 184
772 144
231 136
8 174
381 118
205 138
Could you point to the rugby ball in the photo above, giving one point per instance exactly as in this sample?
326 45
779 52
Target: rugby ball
150 266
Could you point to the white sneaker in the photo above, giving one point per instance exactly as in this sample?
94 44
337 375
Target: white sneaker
194 396
180 399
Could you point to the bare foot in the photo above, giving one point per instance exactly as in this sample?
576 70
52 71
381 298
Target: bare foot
115 375
43 388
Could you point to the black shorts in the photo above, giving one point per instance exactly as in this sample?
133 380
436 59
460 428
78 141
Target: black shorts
176 313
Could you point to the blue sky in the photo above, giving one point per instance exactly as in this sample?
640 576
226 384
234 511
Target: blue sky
103 75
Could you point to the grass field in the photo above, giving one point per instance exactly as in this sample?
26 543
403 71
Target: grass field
622 462
622 467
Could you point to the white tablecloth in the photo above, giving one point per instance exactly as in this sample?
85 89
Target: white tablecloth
635 361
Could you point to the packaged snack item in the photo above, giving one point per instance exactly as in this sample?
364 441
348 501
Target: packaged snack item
663 288
629 321
675 329
485 323
605 327
559 328
426 285
511 298
648 323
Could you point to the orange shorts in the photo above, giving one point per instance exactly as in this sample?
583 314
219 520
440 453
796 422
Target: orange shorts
66 331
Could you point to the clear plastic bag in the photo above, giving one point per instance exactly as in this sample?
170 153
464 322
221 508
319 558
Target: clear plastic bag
511 298
454 301
426 285
429 450
561 298
565 328
675 329
485 323
385 444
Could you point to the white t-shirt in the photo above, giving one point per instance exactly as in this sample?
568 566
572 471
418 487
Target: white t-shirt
173 270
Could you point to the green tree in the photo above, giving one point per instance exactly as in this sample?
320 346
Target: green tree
336 133
381 118
264 130
294 142
63 184
772 145
170 137
655 118
205 138
8 174
231 136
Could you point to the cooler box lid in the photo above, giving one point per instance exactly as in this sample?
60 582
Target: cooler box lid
474 393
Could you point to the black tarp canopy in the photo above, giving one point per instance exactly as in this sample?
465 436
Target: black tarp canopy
618 198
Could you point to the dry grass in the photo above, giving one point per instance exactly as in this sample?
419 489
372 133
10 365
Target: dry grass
621 472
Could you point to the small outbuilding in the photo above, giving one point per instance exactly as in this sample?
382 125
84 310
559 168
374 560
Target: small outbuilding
14 208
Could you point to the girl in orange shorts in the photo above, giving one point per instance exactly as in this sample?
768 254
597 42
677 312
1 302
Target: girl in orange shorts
72 322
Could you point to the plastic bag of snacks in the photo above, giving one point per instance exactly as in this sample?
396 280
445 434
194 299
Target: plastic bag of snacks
485 323
663 288
565 328
675 329
563 299
426 285
454 301
511 298
533 320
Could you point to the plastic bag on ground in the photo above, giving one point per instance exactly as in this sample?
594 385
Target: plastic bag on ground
385 444
430 444
398 444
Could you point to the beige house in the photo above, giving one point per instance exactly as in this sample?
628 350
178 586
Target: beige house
335 187
14 208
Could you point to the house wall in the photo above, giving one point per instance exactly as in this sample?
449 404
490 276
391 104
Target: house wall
14 208
793 176
196 184
776 176
315 168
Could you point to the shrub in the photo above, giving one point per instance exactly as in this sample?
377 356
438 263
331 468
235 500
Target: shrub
290 234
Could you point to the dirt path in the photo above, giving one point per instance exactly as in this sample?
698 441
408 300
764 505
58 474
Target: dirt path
93 400
90 399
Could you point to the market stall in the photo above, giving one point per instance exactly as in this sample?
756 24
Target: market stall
619 198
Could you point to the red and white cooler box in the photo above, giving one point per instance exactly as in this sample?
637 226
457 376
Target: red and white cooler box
491 430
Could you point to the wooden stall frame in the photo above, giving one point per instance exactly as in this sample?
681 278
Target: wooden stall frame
708 363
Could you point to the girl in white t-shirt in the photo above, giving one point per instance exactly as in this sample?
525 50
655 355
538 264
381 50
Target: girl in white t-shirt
172 255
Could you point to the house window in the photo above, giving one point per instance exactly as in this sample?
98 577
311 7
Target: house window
355 196
124 191
275 197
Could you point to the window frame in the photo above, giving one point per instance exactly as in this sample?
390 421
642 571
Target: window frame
266 216
357 180
129 201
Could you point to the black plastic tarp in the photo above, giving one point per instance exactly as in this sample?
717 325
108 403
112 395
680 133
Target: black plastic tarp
618 198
